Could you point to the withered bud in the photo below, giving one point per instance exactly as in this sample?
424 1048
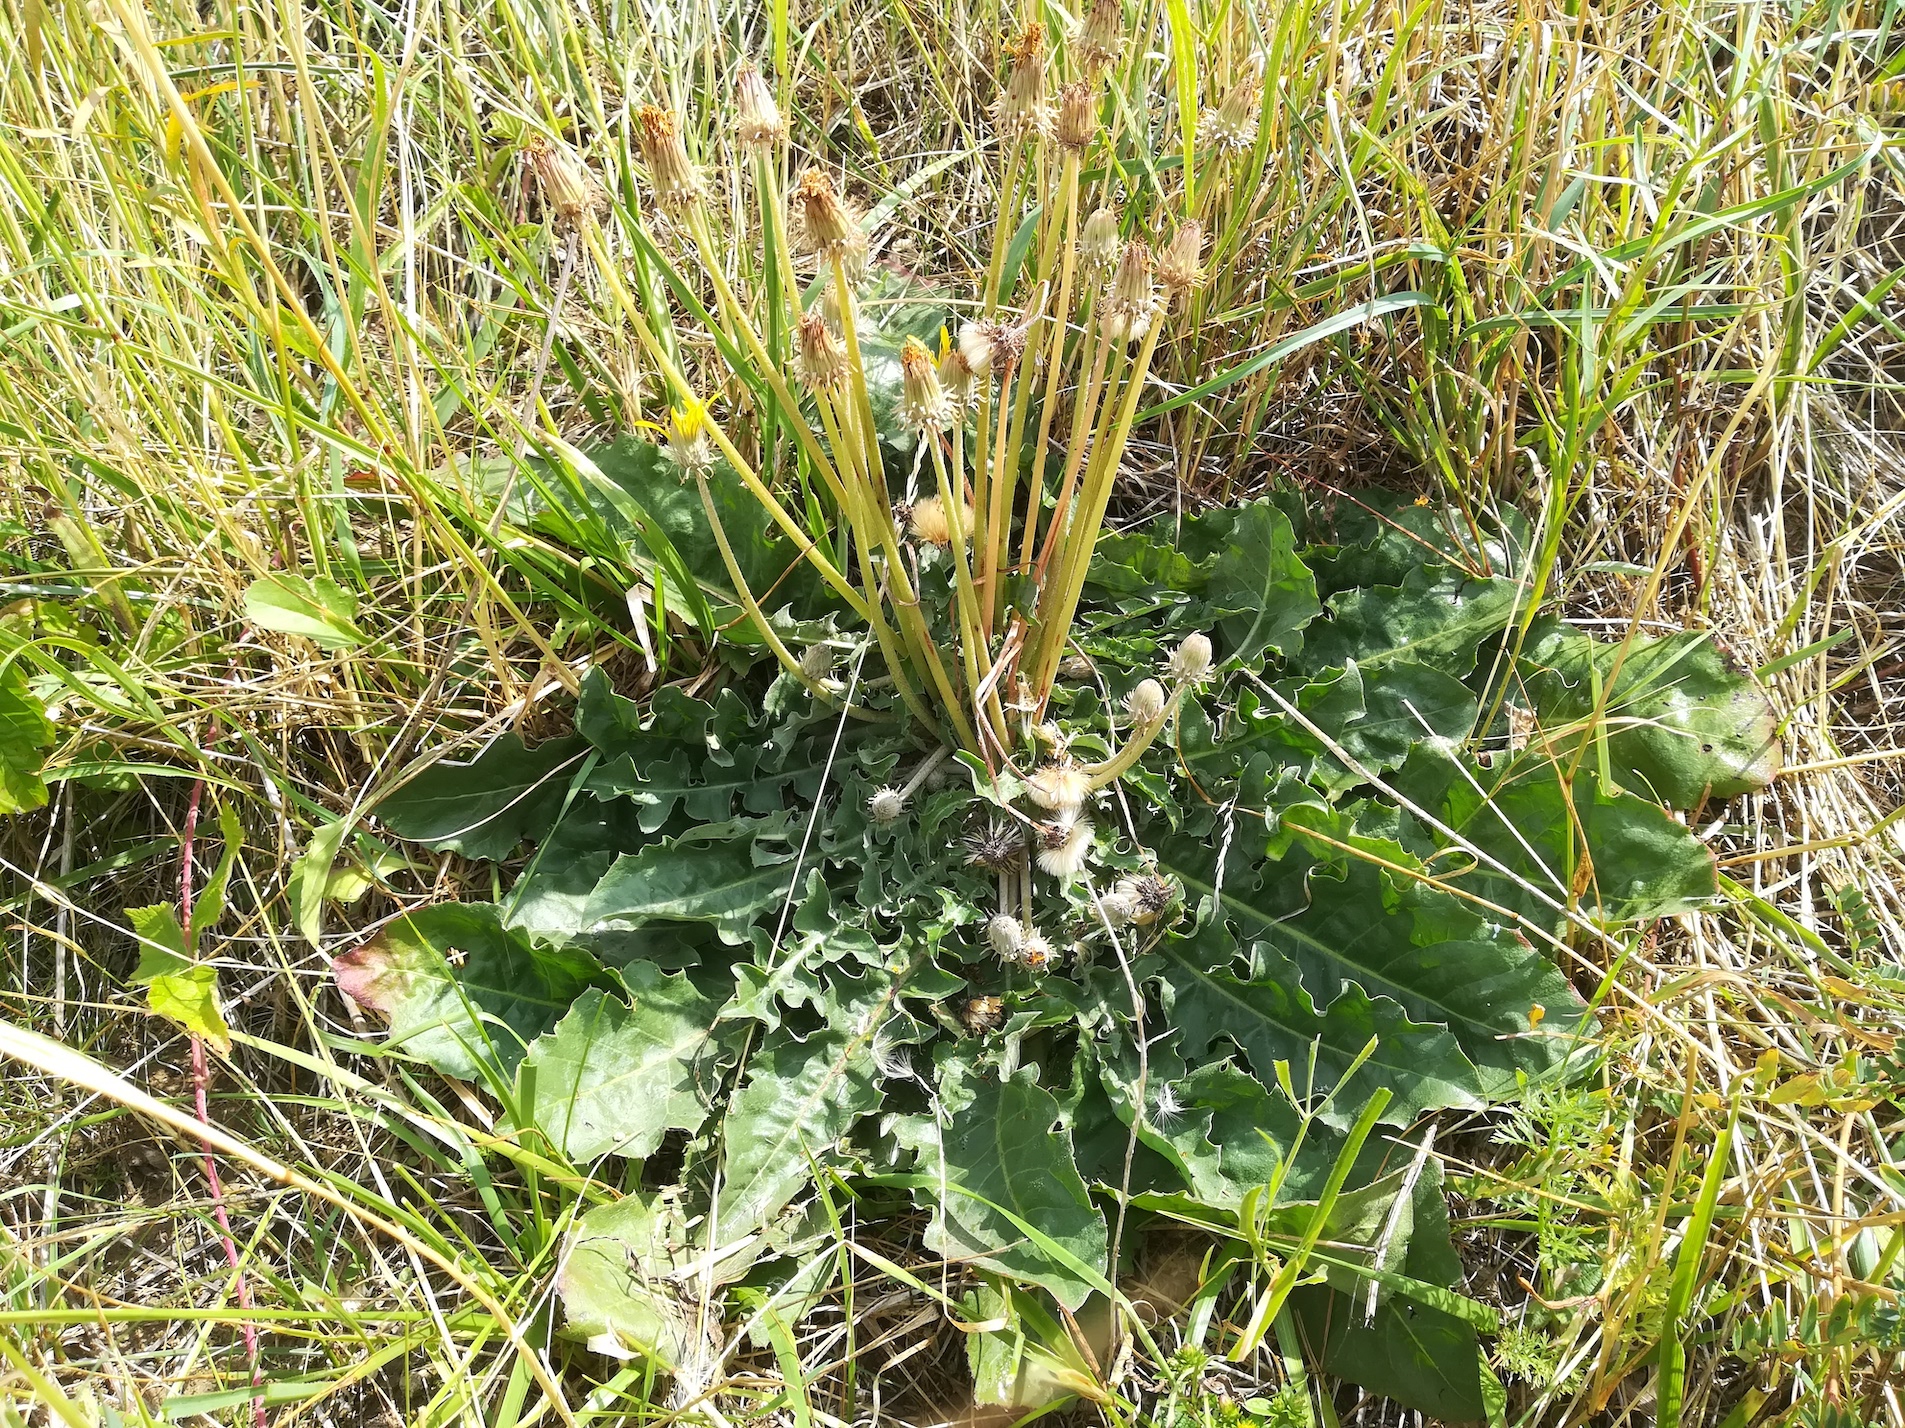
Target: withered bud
826 223
1178 267
1022 110
1131 300
1077 116
1231 128
924 405
957 377
1100 244
757 118
932 522
1098 41
676 183
820 358
564 181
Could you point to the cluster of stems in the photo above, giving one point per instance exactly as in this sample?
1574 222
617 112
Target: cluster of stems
1019 427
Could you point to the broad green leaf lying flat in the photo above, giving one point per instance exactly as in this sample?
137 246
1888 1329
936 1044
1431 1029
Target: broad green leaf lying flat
1682 724
484 808
616 1290
615 1076
315 607
25 735
461 991
1002 1152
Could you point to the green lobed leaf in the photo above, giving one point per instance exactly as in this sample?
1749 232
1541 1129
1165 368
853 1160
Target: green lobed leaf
460 990
615 1076
619 1296
486 807
1682 722
25 735
177 988
1615 855
721 875
1436 618
800 1099
1003 1151
1263 594
315 607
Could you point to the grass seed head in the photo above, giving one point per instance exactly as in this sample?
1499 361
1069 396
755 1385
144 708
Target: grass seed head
1132 299
676 183
826 223
1190 662
1007 935
1100 243
757 118
1077 116
1022 110
996 847
820 358
1062 788
1098 41
1064 846
924 405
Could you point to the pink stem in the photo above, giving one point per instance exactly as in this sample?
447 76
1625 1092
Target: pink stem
201 1083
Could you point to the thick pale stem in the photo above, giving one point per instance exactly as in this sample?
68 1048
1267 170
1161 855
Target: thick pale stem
1054 364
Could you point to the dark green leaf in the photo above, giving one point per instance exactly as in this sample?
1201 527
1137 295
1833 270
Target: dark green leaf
461 991
1683 724
726 879
615 1076
1262 593
1002 1151
799 1100
1434 618
484 808
25 734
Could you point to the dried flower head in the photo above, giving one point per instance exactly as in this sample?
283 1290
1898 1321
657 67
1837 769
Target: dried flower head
1190 663
1148 895
564 181
1022 111
1145 704
1077 116
757 118
1118 907
1063 788
975 347
1035 953
1231 128
817 661
1064 846
996 847
930 521
886 805
1131 300
982 1014
1100 244
1178 267
826 223
957 377
924 405
1098 41
820 358
676 183
688 443
1006 934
